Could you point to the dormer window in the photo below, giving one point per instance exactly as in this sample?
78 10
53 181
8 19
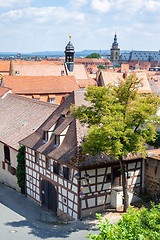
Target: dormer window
52 100
57 140
45 136
63 115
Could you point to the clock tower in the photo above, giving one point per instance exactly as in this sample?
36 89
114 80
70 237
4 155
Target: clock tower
115 51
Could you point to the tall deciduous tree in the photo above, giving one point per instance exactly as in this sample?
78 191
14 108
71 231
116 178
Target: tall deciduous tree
120 121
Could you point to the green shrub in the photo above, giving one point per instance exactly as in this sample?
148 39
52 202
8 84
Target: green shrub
135 225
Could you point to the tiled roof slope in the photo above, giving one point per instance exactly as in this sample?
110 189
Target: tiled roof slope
113 78
4 90
79 72
66 152
4 66
21 116
40 70
41 84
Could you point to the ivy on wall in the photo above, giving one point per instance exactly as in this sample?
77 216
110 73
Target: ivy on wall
21 168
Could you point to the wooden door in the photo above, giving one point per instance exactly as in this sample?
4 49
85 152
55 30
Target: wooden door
48 196
116 177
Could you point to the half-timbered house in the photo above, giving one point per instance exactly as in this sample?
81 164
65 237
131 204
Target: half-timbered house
19 117
57 174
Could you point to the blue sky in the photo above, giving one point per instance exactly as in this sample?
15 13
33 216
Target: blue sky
44 25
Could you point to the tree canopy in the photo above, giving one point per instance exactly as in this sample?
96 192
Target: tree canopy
101 67
93 55
120 121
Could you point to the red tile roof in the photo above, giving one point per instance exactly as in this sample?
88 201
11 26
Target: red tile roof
40 84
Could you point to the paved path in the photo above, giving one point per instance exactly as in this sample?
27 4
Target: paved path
21 218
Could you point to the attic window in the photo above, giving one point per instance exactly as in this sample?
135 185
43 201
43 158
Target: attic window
17 72
63 115
57 140
45 136
52 100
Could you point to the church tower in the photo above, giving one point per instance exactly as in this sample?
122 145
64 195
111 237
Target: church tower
69 55
115 51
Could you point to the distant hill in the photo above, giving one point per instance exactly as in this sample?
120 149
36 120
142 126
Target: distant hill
78 54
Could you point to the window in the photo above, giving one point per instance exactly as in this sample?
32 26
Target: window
55 167
37 158
108 177
6 154
66 173
70 174
52 100
48 163
60 170
45 136
13 171
57 140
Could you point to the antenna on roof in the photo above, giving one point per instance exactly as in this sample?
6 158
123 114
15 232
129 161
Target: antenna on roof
70 38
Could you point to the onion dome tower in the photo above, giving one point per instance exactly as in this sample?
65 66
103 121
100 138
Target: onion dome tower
69 55
115 51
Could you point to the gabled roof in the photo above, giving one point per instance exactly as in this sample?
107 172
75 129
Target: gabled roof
40 84
33 69
75 134
21 116
114 78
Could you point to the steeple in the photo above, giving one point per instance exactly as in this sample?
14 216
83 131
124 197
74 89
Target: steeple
69 55
115 51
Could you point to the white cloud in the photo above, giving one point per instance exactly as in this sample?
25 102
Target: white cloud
78 3
128 6
41 15
11 3
101 5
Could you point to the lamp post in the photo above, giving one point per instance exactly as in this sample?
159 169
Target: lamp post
77 176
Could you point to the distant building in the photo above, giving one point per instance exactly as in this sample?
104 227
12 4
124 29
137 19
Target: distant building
115 51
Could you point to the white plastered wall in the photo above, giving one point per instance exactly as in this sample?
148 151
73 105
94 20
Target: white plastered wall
5 175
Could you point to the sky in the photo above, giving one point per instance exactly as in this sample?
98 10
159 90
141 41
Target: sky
45 25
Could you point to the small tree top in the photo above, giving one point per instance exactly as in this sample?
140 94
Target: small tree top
120 120
93 55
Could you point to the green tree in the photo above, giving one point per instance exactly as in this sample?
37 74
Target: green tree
21 168
93 55
135 225
120 122
101 67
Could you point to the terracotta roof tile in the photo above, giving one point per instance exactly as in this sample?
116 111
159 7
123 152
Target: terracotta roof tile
40 84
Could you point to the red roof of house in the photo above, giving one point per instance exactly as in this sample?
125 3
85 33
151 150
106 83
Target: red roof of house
40 84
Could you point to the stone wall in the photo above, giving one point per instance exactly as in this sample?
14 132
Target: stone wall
152 175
